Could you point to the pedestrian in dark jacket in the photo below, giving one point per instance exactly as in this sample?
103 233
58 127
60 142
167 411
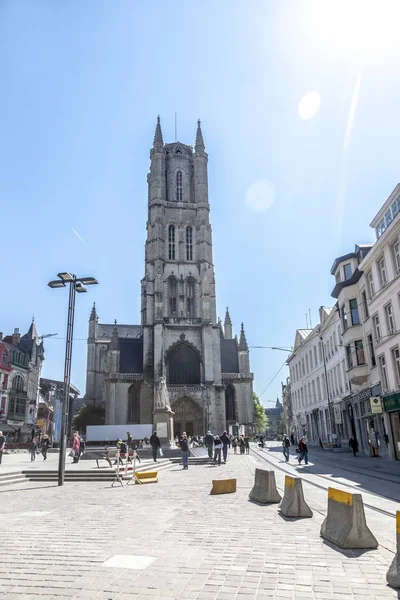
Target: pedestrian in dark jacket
32 450
155 445
241 444
353 445
303 450
184 444
209 441
226 442
217 450
247 443
45 446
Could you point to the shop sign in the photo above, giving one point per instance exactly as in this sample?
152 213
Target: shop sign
14 423
364 395
392 402
338 414
376 405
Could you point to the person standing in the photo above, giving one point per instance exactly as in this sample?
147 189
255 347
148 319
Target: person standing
81 447
247 443
184 443
225 443
2 445
234 444
45 446
75 447
353 445
32 450
303 450
217 450
155 445
209 441
292 439
285 447
241 444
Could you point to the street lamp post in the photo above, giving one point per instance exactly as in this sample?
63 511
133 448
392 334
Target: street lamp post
75 285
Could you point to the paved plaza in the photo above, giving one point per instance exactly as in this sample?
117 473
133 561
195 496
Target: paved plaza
173 540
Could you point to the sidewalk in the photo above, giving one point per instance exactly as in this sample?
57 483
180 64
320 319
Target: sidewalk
176 541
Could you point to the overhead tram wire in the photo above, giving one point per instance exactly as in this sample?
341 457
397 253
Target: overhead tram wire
273 379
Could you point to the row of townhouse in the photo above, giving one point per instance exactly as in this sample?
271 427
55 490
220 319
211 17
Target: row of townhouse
345 372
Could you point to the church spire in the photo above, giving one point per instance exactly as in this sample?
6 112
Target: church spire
93 314
114 343
243 342
228 325
158 138
199 137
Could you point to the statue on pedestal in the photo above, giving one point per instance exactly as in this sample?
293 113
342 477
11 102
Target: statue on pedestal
162 396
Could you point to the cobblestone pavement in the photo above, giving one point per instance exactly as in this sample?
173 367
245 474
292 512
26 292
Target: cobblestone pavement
55 540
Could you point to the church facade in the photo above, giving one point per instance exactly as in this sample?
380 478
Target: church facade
206 368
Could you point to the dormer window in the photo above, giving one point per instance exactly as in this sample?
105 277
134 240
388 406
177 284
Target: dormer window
179 186
347 271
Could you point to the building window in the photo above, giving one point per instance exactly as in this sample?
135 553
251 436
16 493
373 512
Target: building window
396 207
388 217
382 272
307 365
134 403
344 317
230 408
371 288
383 370
17 406
396 363
349 357
183 366
377 328
355 317
18 384
320 351
360 355
347 271
311 361
189 243
171 242
179 186
315 356
190 297
371 351
172 293
365 305
103 354
380 228
390 319
396 256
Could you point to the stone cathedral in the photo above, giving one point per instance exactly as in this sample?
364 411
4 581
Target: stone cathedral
206 368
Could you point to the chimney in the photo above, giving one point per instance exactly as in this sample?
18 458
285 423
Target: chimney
16 336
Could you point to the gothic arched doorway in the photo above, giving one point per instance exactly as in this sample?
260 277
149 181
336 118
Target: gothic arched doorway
188 417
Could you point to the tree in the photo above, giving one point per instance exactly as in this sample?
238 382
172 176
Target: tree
260 418
88 415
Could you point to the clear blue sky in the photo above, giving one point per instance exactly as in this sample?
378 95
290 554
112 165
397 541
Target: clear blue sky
81 86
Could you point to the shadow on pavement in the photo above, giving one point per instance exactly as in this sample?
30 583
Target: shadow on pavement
349 553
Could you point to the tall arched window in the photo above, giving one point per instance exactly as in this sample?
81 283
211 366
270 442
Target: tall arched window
171 242
179 186
230 407
102 361
18 383
183 365
189 243
172 294
190 297
134 403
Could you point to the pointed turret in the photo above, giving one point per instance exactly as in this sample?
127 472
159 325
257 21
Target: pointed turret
228 325
158 138
114 343
243 342
32 333
93 314
199 137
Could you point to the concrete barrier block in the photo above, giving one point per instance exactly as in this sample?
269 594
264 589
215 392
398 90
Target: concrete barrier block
223 486
264 490
345 523
147 477
393 575
293 503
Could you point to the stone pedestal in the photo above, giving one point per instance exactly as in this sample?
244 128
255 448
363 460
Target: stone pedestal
163 421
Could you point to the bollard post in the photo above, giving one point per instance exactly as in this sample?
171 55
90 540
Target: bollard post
264 490
293 503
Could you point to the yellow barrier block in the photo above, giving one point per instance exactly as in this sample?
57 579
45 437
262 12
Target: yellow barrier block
147 477
223 486
339 496
289 481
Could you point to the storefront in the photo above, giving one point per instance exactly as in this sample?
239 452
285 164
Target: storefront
368 423
391 405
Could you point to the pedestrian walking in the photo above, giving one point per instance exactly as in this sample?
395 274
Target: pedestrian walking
303 450
81 447
247 443
155 445
209 441
292 439
217 450
285 447
45 446
75 447
353 443
226 442
234 444
184 443
32 450
241 444
2 445
262 442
